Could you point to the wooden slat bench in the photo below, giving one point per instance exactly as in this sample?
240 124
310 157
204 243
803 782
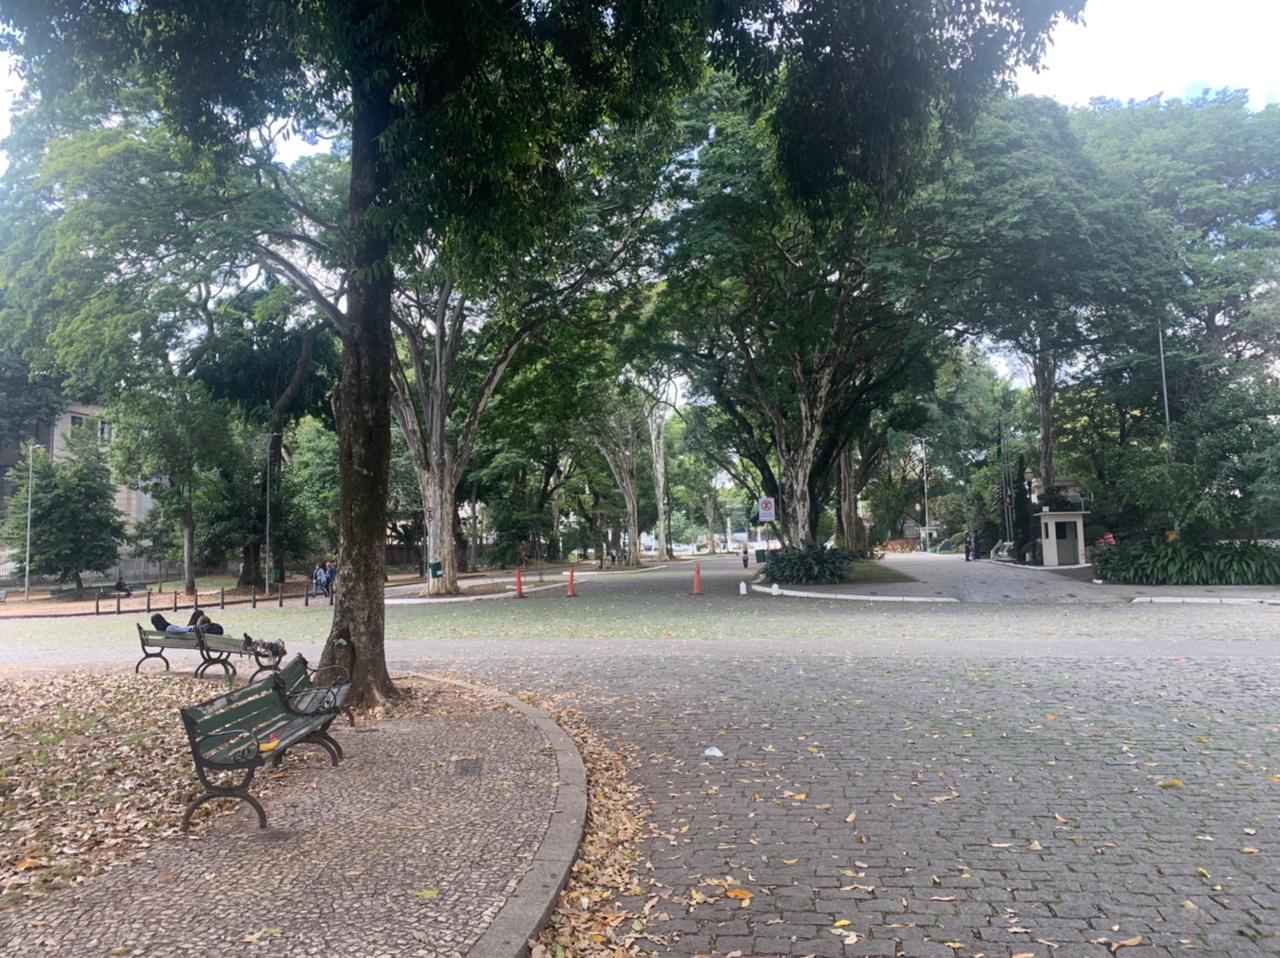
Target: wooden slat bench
241 730
218 649
213 649
301 695
154 643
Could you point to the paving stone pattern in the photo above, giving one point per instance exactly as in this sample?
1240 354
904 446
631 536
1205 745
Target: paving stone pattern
1000 807
452 805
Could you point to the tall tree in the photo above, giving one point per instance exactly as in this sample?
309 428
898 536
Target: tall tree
75 526
457 124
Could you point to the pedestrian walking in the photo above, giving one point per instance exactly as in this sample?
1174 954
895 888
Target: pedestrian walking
330 575
968 547
744 557
321 578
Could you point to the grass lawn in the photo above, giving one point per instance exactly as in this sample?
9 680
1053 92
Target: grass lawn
872 570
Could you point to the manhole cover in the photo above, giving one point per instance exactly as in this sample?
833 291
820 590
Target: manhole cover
466 767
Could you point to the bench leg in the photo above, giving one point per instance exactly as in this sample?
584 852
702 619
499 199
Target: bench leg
222 659
328 744
240 791
150 655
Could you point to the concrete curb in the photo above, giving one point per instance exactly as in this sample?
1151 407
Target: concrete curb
849 597
1202 600
528 908
420 600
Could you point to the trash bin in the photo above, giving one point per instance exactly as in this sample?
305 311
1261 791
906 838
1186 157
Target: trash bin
437 570
762 556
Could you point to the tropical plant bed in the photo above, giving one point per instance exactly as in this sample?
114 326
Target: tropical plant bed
1160 562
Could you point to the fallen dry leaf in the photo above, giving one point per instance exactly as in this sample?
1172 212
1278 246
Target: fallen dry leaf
1127 943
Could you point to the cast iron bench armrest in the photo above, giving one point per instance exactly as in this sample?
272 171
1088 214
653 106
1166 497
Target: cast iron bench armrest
346 676
328 700
257 743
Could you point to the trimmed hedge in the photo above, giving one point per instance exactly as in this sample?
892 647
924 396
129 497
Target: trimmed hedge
1157 562
816 565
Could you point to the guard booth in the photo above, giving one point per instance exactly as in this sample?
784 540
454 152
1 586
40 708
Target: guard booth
1062 537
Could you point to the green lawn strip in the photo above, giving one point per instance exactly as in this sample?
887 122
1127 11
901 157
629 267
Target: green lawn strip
872 570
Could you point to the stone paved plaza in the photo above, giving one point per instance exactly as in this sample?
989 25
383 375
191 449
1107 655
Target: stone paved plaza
1023 778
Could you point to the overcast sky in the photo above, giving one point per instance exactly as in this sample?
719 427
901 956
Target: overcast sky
1133 49
1126 49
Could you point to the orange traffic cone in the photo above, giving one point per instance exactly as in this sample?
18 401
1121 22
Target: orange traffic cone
519 585
697 578
571 593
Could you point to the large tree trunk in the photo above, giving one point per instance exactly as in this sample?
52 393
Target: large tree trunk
633 523
709 507
795 512
188 550
1044 375
440 544
657 441
363 415
848 501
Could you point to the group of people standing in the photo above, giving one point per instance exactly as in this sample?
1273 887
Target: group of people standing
324 575
972 546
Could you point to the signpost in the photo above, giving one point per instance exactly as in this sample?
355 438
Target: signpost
768 511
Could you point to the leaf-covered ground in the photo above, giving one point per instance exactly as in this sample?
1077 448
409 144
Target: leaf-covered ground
593 916
92 770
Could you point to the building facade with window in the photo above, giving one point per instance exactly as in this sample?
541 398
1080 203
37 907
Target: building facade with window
54 437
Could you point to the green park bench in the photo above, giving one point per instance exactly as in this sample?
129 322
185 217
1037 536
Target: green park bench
155 643
110 592
71 594
302 695
240 731
214 650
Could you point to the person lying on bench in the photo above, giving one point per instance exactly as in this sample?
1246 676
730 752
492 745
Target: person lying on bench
201 621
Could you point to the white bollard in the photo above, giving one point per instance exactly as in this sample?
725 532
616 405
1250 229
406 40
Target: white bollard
742 588
775 590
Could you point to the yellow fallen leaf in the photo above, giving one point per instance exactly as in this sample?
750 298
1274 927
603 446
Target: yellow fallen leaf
955 945
1127 943
1025 954
1251 831
1050 717
1189 905
1170 783
1061 820
1274 779
851 817
1001 845
27 864
842 923
741 894
1249 850
790 861
1203 873
897 797
799 796
1035 846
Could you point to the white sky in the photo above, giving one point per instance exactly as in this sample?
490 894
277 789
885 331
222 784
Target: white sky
1133 49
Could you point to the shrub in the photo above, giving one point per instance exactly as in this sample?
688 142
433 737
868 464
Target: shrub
1181 562
816 565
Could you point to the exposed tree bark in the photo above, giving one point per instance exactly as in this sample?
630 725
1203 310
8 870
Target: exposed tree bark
1044 381
188 549
655 416
362 409
712 511
618 432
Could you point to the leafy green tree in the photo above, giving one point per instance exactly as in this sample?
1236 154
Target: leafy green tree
1049 254
75 526
168 439
456 128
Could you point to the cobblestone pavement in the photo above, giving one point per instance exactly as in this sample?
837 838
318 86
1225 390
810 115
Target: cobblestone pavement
1028 779
409 847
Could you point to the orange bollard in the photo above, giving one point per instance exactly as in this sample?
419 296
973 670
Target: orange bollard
519 585
697 578
571 593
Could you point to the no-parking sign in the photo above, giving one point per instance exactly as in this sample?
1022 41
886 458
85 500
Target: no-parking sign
767 512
